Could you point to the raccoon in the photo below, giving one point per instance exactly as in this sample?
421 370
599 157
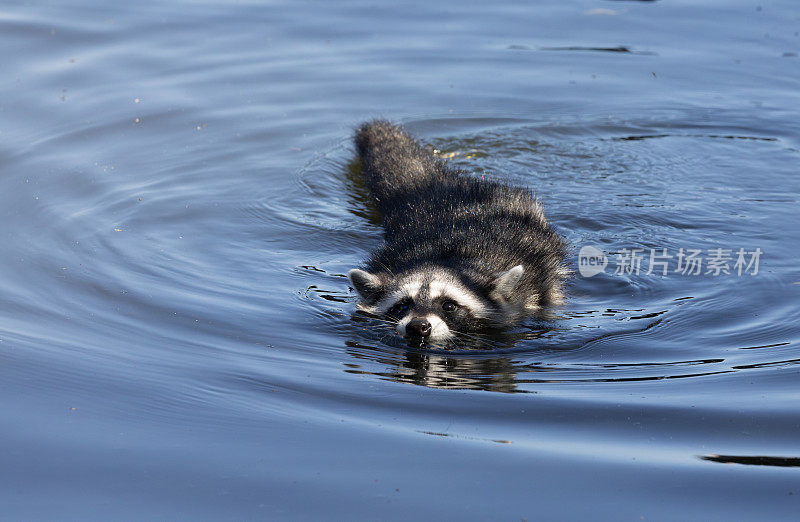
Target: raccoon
461 254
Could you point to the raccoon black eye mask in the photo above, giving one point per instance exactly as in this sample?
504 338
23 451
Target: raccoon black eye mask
460 254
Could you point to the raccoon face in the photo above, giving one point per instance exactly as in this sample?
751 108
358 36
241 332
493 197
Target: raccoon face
427 304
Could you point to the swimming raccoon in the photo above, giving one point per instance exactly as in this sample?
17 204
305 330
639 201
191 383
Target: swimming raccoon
460 254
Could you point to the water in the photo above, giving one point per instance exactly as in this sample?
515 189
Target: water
179 204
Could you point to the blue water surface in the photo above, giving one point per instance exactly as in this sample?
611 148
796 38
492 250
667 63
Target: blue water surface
179 204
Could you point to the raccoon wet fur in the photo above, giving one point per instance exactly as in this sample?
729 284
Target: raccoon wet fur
461 254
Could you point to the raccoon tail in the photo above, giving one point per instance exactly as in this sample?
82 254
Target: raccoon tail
393 163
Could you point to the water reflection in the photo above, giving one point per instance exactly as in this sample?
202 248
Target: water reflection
360 202
438 370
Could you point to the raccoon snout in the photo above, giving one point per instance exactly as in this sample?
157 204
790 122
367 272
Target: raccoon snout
419 327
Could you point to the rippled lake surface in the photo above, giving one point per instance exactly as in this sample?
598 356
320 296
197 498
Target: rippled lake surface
179 202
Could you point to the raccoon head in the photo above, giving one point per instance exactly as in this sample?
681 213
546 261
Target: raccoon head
431 303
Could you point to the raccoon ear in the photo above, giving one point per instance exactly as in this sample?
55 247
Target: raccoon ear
369 286
504 283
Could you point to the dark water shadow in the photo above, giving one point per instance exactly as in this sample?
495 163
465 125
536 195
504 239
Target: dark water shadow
618 49
688 135
754 460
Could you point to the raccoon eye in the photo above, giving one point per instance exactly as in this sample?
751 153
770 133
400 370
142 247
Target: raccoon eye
400 308
449 305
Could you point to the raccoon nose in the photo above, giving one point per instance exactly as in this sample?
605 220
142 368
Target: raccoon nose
419 327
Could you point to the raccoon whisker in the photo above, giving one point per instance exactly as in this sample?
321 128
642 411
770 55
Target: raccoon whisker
373 317
386 321
383 265
470 336
464 334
